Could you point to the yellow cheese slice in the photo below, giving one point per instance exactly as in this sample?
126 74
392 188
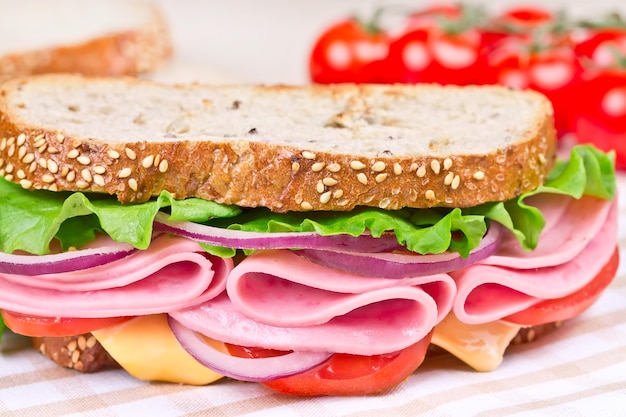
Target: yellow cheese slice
147 349
481 346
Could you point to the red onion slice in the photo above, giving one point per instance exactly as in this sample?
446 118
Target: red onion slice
244 369
256 240
63 262
404 265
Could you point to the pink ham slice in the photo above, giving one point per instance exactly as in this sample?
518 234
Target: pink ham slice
378 328
279 300
283 289
570 226
172 273
586 232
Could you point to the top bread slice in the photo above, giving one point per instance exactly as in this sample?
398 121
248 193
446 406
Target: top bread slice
113 37
289 148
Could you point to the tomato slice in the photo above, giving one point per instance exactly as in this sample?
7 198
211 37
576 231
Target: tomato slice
253 352
38 326
345 374
559 309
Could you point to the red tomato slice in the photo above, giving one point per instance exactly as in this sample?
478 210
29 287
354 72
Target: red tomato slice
549 311
344 374
252 352
37 326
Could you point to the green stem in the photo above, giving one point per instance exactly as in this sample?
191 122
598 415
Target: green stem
620 57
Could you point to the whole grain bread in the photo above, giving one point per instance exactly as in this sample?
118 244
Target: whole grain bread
85 36
283 147
81 352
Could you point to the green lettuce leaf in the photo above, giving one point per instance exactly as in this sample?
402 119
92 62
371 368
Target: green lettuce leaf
588 171
30 220
422 231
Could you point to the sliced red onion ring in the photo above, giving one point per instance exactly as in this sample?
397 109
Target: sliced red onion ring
244 369
63 262
404 265
256 240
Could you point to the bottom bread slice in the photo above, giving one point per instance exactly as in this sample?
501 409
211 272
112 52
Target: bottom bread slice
80 352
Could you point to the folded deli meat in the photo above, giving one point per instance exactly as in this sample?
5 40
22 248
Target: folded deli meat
579 239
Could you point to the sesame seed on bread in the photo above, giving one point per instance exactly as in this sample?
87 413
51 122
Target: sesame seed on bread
283 147
94 37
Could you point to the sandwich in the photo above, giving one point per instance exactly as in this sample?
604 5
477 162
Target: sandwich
319 240
89 37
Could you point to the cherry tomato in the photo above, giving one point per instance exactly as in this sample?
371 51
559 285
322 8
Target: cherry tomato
549 311
602 48
349 51
519 21
601 115
524 19
344 374
590 28
539 64
432 16
37 326
440 44
601 119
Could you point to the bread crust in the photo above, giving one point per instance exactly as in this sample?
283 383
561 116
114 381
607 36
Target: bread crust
131 52
281 177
